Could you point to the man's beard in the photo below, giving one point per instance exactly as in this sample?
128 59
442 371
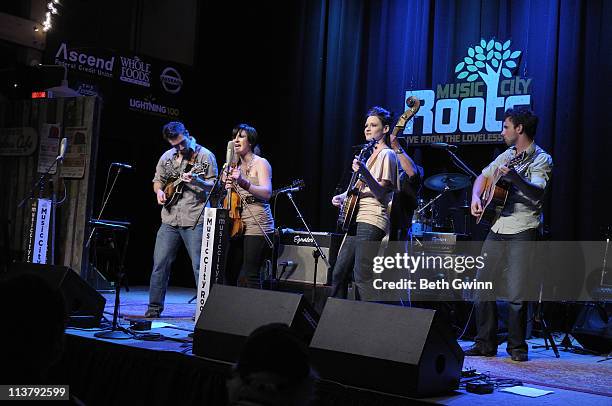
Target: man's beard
510 141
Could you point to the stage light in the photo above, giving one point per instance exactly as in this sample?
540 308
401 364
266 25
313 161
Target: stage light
63 90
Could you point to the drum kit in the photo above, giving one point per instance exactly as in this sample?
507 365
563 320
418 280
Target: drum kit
427 216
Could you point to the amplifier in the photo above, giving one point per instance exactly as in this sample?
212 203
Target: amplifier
440 242
295 259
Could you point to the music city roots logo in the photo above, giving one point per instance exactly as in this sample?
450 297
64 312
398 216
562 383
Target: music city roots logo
468 112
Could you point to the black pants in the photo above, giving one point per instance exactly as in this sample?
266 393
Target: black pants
355 261
515 251
245 259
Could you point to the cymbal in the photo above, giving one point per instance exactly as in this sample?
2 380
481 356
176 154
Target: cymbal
454 181
462 207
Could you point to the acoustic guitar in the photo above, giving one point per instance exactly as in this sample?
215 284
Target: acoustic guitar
495 194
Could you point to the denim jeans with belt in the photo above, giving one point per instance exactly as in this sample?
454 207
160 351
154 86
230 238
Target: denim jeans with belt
169 240
355 258
517 250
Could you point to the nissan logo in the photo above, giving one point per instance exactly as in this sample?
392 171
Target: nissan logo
171 80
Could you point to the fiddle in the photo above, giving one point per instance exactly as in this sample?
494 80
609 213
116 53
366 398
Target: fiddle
232 202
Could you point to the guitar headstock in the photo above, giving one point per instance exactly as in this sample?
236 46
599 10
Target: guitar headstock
514 161
296 184
200 168
367 148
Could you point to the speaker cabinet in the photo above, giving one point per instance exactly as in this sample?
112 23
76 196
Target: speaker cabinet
295 260
231 314
399 350
81 299
593 327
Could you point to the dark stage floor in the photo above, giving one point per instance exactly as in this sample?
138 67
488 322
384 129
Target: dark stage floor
573 378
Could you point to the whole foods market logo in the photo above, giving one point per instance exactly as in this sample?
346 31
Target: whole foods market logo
472 111
134 70
171 80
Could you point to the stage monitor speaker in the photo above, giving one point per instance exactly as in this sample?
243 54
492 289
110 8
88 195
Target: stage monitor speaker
231 314
593 327
81 299
400 350
295 261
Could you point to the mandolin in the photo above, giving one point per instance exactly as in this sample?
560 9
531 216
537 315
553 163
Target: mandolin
175 184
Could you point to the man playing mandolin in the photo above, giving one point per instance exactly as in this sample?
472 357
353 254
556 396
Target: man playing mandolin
186 169
378 180
526 170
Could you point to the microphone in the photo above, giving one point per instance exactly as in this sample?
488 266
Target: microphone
289 190
121 165
442 145
63 149
229 153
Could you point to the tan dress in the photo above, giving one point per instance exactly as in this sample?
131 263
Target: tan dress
258 210
372 210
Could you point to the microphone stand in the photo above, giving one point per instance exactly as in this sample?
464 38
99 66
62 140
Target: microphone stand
106 198
460 164
318 252
116 332
208 195
40 184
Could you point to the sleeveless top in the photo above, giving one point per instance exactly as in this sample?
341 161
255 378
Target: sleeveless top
257 209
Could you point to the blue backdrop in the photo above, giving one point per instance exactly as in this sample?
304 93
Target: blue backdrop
354 54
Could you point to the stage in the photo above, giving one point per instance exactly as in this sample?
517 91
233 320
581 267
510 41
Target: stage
159 368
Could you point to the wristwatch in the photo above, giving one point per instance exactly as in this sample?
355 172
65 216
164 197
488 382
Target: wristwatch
399 150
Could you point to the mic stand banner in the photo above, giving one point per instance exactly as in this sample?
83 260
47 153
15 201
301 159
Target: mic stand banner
39 231
213 255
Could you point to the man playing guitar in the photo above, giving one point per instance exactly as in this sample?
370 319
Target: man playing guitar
527 170
179 162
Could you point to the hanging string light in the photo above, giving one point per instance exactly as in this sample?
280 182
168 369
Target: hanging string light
51 11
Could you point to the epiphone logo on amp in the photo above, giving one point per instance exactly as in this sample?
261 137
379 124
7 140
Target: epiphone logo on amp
134 70
470 112
297 240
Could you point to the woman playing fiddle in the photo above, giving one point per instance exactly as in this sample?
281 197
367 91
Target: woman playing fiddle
251 178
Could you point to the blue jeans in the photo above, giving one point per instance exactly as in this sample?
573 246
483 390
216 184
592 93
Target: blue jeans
169 239
355 258
517 252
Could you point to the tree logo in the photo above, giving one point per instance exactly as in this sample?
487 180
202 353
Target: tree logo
488 56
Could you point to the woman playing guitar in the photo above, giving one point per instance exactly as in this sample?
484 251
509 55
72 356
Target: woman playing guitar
375 190
251 178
